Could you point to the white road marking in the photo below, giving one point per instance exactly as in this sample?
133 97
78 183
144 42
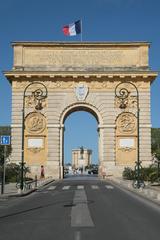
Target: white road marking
80 215
94 187
80 187
52 187
109 187
66 187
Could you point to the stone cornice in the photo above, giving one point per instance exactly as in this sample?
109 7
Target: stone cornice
27 75
88 44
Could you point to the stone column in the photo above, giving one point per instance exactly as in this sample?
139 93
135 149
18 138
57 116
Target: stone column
61 145
107 148
53 163
145 145
145 127
16 131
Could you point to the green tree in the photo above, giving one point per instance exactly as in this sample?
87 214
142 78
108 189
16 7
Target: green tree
13 172
155 140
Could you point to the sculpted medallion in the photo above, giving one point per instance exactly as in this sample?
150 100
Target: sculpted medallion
35 123
126 123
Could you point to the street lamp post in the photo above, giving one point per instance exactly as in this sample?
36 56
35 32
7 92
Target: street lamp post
38 96
122 93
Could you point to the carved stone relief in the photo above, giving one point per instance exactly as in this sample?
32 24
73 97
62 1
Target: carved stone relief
31 102
93 83
126 149
35 123
127 123
81 91
130 102
35 150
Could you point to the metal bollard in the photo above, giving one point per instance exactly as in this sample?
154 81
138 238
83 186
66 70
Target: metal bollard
35 181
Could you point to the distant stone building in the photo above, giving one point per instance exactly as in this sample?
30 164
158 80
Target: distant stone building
81 160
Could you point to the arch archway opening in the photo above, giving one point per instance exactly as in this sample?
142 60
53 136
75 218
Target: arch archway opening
81 109
80 132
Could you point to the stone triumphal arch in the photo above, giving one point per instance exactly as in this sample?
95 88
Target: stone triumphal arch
110 80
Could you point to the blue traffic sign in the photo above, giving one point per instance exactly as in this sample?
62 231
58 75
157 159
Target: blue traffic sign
5 140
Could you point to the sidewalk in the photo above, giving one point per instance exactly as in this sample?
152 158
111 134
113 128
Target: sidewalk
10 189
151 191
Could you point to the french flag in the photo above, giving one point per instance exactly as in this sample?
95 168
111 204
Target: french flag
72 29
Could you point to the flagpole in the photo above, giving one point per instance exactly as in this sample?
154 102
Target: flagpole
81 30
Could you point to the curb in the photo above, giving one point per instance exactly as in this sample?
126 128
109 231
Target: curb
146 193
23 194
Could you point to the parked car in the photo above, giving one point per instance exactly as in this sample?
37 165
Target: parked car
93 171
89 171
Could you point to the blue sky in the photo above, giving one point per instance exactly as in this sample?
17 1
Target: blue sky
103 20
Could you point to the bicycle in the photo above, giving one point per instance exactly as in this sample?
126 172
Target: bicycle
138 184
26 186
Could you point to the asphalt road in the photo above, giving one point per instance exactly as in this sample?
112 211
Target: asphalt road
79 208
